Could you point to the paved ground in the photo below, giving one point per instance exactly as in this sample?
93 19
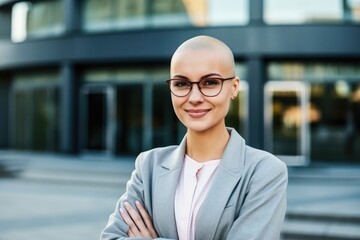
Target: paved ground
323 203
57 198
52 197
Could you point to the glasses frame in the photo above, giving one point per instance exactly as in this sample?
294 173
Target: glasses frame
197 83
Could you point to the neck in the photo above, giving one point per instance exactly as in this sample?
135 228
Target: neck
208 145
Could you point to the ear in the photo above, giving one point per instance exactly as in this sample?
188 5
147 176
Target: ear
235 87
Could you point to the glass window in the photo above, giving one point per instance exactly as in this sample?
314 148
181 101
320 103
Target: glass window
100 15
305 11
352 10
333 112
18 21
228 12
96 120
169 12
129 119
37 19
200 12
35 101
167 129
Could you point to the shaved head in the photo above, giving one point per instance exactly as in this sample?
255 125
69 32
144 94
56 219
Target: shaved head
209 44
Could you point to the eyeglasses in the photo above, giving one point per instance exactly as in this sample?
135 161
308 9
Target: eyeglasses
209 87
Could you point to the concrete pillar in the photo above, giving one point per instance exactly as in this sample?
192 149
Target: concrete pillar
256 78
68 130
4 111
256 12
72 13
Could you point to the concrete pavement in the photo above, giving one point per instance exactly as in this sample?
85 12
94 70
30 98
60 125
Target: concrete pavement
323 203
323 200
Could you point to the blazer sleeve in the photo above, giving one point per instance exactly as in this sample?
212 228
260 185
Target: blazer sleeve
116 228
263 211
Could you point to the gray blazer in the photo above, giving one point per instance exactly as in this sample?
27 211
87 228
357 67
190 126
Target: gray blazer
247 199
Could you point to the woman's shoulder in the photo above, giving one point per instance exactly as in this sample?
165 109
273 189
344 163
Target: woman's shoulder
261 160
156 156
160 151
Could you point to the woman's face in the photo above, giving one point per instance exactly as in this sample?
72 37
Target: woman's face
197 112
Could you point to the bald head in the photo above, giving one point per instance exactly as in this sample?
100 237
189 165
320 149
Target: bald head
209 44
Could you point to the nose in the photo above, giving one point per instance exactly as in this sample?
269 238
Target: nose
195 96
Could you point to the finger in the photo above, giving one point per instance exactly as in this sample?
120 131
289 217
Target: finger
144 214
131 234
147 219
137 220
132 226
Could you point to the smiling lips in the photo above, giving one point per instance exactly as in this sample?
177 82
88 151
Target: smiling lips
197 113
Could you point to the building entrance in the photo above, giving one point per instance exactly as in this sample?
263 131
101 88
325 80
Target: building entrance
318 122
286 132
96 118
112 119
335 132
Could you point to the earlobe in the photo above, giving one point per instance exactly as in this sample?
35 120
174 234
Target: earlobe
235 92
234 96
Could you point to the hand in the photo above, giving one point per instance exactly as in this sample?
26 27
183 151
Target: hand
139 222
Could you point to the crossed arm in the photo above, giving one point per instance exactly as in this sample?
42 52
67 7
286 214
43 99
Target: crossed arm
139 222
262 211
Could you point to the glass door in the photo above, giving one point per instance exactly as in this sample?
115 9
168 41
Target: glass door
35 117
97 117
22 115
286 127
129 117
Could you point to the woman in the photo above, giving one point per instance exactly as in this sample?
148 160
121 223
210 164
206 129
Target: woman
211 186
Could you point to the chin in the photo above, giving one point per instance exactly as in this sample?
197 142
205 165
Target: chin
198 127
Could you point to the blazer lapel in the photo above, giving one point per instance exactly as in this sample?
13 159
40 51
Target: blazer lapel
164 194
225 179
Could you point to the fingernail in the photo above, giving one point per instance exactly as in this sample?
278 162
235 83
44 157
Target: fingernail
122 210
137 202
126 204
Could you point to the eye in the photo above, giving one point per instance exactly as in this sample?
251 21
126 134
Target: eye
180 83
210 82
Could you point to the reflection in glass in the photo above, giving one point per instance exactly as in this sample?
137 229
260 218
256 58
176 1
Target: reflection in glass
286 123
44 120
286 130
114 14
334 106
102 15
165 124
96 116
352 146
352 10
36 118
309 11
129 119
18 21
22 115
336 131
37 19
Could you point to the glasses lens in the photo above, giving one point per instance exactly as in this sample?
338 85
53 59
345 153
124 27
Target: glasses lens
180 87
210 86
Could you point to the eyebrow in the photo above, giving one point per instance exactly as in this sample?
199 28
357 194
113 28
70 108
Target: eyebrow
205 76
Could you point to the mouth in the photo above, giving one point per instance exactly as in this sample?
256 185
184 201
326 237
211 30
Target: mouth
197 113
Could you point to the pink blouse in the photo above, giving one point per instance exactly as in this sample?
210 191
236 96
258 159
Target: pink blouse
194 183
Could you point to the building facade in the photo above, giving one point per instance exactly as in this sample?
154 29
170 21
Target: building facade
88 77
